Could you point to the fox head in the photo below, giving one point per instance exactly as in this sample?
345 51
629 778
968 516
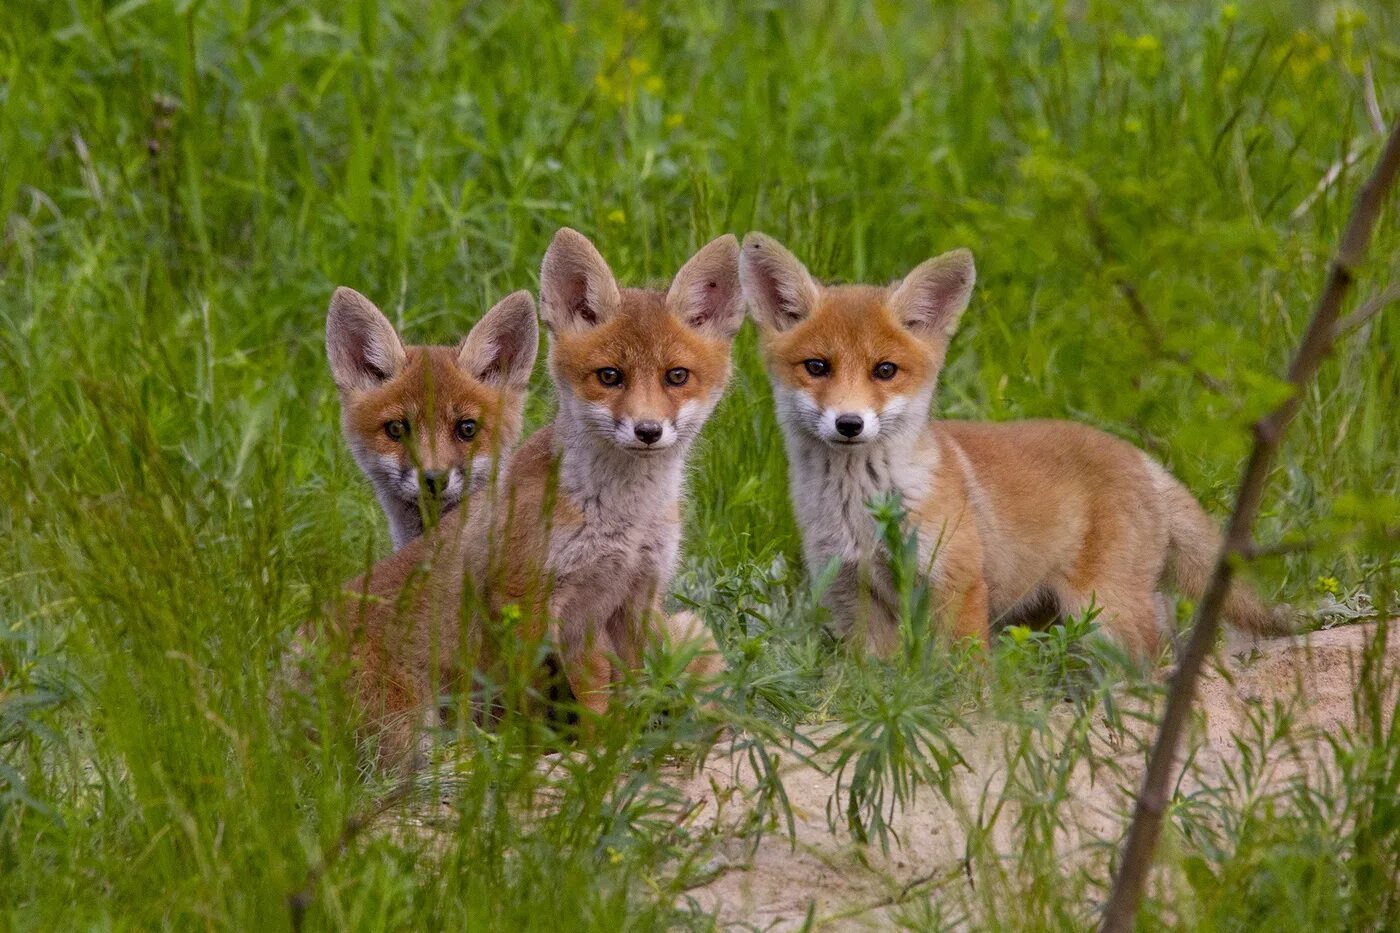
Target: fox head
636 369
853 364
425 423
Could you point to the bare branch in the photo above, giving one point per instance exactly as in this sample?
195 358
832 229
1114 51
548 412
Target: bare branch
1333 173
1303 545
1373 104
1157 341
1133 868
1373 306
299 901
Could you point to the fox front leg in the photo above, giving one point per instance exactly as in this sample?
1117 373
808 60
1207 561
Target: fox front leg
586 651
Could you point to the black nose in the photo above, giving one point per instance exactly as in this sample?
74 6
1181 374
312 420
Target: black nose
849 425
648 432
434 481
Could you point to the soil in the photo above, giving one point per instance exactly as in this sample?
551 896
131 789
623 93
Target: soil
824 877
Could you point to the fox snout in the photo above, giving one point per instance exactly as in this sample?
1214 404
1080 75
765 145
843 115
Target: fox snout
849 427
445 485
840 425
645 433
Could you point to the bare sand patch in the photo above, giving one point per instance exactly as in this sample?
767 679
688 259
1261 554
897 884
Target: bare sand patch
823 873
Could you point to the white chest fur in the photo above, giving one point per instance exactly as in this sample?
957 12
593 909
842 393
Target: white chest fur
625 548
832 489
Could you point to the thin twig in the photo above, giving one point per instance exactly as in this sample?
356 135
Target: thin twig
1303 545
1369 309
1333 173
1373 104
299 901
1157 340
1121 910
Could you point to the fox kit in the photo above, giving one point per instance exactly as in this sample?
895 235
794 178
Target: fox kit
582 537
1011 518
426 424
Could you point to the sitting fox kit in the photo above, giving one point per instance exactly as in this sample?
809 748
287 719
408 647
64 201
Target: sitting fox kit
1011 518
426 424
583 535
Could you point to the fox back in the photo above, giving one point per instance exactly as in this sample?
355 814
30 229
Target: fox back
428 424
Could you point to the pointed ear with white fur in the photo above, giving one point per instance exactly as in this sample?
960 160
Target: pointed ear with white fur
706 294
933 297
363 348
577 289
778 288
501 348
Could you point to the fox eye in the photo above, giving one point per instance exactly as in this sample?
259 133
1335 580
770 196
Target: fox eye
817 368
466 429
396 429
677 376
885 370
609 376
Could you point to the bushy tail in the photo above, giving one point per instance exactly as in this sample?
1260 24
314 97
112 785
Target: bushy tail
1195 544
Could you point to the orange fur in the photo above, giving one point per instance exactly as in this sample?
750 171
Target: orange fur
1011 517
571 553
426 424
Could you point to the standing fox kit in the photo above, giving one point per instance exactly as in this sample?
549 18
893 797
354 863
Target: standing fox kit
426 423
583 535
1011 518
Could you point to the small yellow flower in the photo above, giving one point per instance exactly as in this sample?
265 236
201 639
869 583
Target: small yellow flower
1132 125
653 85
614 856
639 66
617 216
1147 43
674 120
1229 13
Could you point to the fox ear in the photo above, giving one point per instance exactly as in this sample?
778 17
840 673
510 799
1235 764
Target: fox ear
577 289
777 286
361 344
705 293
501 347
931 298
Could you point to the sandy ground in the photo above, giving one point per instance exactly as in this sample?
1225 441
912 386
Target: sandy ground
822 873
947 844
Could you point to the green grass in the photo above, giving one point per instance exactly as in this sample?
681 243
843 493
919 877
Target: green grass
183 184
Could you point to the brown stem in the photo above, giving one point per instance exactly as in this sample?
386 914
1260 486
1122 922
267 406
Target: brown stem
299 901
1123 901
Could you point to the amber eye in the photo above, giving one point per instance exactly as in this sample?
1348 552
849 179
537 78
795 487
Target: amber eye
885 370
609 376
466 429
677 376
397 429
817 368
